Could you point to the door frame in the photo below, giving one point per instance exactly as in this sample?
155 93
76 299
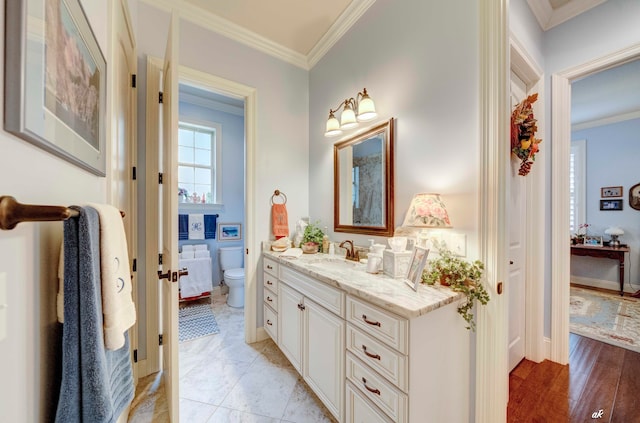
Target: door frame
233 89
561 136
531 74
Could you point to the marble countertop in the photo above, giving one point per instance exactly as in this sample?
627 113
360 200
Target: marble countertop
388 293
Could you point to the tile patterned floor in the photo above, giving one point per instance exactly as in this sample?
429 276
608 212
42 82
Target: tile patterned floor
225 380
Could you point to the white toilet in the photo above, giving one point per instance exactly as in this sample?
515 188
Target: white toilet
233 274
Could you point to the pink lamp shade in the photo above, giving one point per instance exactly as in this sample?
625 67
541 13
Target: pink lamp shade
427 211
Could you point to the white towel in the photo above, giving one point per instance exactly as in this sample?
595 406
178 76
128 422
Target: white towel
292 253
201 254
187 254
199 278
118 308
188 248
196 226
199 247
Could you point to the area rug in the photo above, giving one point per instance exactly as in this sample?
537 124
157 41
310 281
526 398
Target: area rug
195 322
605 317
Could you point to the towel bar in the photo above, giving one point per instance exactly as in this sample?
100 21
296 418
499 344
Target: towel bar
13 212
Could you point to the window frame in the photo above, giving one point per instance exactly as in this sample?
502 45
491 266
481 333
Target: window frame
578 173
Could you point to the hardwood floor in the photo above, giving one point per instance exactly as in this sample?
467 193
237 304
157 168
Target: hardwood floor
601 383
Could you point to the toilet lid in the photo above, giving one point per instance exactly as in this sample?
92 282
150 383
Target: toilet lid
234 273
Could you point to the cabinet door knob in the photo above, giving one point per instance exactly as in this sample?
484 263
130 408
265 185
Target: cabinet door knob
269 282
376 356
301 306
269 299
374 391
269 322
371 322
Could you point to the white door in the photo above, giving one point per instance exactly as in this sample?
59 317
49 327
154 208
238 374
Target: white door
517 245
290 324
169 218
323 359
123 190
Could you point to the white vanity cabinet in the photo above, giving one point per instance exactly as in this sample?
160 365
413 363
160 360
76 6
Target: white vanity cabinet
373 350
270 298
312 337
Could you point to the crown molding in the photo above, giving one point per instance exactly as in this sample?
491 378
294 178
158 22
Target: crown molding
215 23
548 17
620 117
345 21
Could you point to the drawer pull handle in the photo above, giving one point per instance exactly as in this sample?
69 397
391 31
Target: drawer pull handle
269 267
301 306
269 298
269 322
376 356
269 282
373 391
371 322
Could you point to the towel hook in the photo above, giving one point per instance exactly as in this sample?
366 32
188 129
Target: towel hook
278 193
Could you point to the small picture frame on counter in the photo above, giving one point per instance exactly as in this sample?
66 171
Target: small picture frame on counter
416 266
593 241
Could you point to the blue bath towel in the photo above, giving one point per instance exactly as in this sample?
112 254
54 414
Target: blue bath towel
183 227
97 384
210 225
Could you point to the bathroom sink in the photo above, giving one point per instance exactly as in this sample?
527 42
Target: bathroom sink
334 264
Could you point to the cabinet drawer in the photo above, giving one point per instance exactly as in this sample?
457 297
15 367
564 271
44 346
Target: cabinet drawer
360 410
384 395
389 363
327 296
391 329
271 299
271 323
271 282
270 266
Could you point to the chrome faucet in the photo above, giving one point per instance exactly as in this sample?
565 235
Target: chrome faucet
351 253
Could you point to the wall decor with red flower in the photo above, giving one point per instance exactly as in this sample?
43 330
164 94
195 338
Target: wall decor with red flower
524 144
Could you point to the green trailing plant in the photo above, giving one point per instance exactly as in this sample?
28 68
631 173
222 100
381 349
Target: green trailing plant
461 276
313 233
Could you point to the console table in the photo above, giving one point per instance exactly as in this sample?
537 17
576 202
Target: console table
604 252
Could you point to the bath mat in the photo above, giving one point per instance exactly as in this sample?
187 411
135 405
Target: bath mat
195 322
605 317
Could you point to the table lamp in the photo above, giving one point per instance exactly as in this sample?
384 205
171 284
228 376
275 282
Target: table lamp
614 232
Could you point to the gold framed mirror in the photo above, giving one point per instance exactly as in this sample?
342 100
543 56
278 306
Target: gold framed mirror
363 174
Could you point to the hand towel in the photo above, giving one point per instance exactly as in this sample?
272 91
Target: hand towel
117 304
201 254
199 247
188 248
97 384
210 226
280 220
292 253
196 226
187 254
183 227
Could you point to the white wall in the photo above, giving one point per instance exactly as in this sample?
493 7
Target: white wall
281 150
30 355
612 153
419 63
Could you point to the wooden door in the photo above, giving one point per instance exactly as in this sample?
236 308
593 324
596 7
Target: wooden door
517 245
169 201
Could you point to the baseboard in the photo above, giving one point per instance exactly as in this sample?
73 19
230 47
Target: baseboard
261 335
602 284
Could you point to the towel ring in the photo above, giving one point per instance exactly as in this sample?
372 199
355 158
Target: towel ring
278 193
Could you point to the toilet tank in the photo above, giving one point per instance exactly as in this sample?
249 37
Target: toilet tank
230 257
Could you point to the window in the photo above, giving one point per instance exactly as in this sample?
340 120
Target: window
577 184
199 162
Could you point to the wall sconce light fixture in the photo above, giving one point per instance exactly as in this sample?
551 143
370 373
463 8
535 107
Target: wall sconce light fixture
361 104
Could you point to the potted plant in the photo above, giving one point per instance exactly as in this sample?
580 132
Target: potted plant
579 236
461 276
312 234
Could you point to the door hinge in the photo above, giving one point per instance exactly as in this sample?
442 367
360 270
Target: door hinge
134 173
133 80
135 265
135 356
160 97
160 258
160 339
160 178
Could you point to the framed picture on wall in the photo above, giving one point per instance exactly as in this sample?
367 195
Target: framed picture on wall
610 204
55 81
634 197
606 192
229 231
